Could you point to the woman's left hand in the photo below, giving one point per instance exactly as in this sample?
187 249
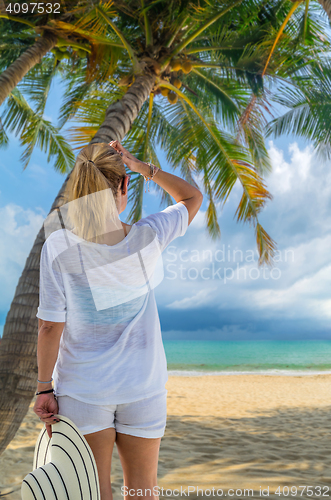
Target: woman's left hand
130 161
46 408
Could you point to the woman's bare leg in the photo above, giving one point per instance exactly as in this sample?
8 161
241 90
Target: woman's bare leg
139 458
102 444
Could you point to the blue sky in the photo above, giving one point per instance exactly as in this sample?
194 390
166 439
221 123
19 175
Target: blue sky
211 289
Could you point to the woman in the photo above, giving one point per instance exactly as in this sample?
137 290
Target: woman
101 339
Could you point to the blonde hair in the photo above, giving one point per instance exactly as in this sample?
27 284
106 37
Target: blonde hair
98 169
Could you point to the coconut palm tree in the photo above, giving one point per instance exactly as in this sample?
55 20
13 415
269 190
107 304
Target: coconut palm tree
41 33
57 39
190 77
16 71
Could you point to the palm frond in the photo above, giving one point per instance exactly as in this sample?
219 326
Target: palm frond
42 134
4 140
100 9
211 213
251 130
308 115
102 62
139 139
72 30
37 83
12 46
20 20
165 198
305 20
33 130
147 24
191 37
178 138
226 95
135 198
90 111
225 161
266 246
280 31
81 136
93 21
74 95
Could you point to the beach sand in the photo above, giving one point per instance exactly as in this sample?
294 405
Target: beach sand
223 432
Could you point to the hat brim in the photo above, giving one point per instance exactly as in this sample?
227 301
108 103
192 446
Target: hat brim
63 466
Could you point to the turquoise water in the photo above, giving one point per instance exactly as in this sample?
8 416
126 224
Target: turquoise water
268 357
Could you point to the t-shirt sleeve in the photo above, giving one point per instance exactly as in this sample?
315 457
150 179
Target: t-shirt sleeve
52 299
169 223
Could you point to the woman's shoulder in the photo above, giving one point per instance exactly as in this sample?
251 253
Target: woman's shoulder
168 223
167 212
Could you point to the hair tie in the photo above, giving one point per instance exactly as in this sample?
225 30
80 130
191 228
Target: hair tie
91 162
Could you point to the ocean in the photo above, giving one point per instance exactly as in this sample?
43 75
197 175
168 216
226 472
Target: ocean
193 357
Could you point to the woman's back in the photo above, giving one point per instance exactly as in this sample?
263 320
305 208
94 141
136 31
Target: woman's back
105 295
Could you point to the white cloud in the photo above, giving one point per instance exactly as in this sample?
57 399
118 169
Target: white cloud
298 218
307 297
286 176
283 174
302 194
199 299
18 231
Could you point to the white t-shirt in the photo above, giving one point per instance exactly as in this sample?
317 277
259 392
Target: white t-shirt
111 349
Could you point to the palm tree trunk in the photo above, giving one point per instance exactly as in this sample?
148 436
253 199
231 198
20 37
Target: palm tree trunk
326 4
120 115
18 348
32 56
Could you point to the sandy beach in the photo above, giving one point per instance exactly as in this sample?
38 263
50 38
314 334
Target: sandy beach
225 434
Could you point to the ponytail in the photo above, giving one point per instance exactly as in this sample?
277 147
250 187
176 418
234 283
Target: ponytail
94 184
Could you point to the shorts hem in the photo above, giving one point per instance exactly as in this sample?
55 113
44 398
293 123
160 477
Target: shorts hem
141 433
98 430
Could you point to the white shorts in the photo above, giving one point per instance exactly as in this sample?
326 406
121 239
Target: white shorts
144 418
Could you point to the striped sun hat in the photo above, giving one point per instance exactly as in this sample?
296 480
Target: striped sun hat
64 467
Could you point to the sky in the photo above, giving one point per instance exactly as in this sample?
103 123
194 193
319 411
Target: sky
212 290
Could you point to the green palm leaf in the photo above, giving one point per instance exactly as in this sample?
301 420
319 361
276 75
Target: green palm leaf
211 213
37 83
4 140
309 106
33 130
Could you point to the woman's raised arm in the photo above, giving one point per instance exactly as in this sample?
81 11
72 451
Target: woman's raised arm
181 190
